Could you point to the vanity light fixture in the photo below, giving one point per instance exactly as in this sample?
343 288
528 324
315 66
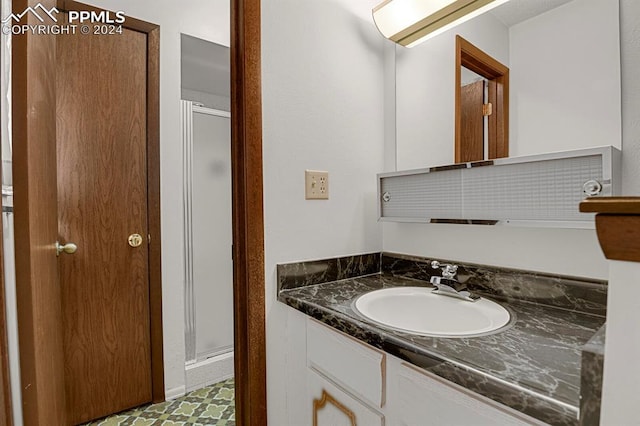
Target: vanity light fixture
410 22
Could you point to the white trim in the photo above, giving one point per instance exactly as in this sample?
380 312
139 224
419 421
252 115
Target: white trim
209 111
609 153
187 182
212 370
175 393
563 224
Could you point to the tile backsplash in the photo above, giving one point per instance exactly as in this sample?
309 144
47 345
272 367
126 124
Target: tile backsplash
302 274
576 294
572 293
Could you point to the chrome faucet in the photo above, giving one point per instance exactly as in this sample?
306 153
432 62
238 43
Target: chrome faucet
448 285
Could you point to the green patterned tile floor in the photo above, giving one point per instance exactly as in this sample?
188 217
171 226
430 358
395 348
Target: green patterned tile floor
213 405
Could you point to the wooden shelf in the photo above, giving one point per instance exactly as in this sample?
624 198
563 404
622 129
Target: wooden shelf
611 205
617 225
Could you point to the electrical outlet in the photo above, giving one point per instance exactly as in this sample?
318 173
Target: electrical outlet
316 185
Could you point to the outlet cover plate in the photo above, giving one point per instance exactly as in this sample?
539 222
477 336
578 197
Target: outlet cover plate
316 185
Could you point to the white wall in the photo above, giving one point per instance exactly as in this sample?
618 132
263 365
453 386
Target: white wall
425 86
323 104
562 251
630 58
390 161
565 79
208 20
620 396
5 77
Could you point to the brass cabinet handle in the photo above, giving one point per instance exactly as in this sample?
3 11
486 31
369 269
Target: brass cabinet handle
68 248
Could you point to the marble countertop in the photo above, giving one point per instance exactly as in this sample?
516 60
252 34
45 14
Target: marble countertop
533 366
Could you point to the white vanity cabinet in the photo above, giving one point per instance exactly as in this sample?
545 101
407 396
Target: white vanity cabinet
350 383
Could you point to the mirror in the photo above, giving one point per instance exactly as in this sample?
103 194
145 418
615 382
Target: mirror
564 63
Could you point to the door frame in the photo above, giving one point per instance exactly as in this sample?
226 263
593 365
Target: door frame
248 215
33 107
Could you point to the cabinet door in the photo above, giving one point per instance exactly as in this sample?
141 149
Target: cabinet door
334 407
355 366
420 398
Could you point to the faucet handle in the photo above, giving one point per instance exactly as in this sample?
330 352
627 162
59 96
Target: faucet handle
448 270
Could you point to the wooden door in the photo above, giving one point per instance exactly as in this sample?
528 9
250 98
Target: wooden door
102 200
472 141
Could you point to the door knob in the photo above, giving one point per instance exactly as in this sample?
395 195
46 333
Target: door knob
68 248
135 240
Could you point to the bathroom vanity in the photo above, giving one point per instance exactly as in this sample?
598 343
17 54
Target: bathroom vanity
527 372
354 381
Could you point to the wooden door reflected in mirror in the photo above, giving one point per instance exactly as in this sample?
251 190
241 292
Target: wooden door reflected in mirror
478 138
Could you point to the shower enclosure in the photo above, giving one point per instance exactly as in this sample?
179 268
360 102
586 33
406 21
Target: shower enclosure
207 247
6 149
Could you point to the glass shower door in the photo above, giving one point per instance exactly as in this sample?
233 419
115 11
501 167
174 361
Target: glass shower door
208 229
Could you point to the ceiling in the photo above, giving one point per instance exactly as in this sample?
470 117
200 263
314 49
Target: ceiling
205 66
515 11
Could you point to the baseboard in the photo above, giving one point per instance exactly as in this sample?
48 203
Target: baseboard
208 372
171 394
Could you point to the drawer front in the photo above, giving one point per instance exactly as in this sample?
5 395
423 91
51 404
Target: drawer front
352 364
334 407
425 396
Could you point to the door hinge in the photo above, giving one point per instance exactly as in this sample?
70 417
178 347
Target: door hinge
487 109
148 238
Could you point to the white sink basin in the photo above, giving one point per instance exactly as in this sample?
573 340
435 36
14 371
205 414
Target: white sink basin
416 310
